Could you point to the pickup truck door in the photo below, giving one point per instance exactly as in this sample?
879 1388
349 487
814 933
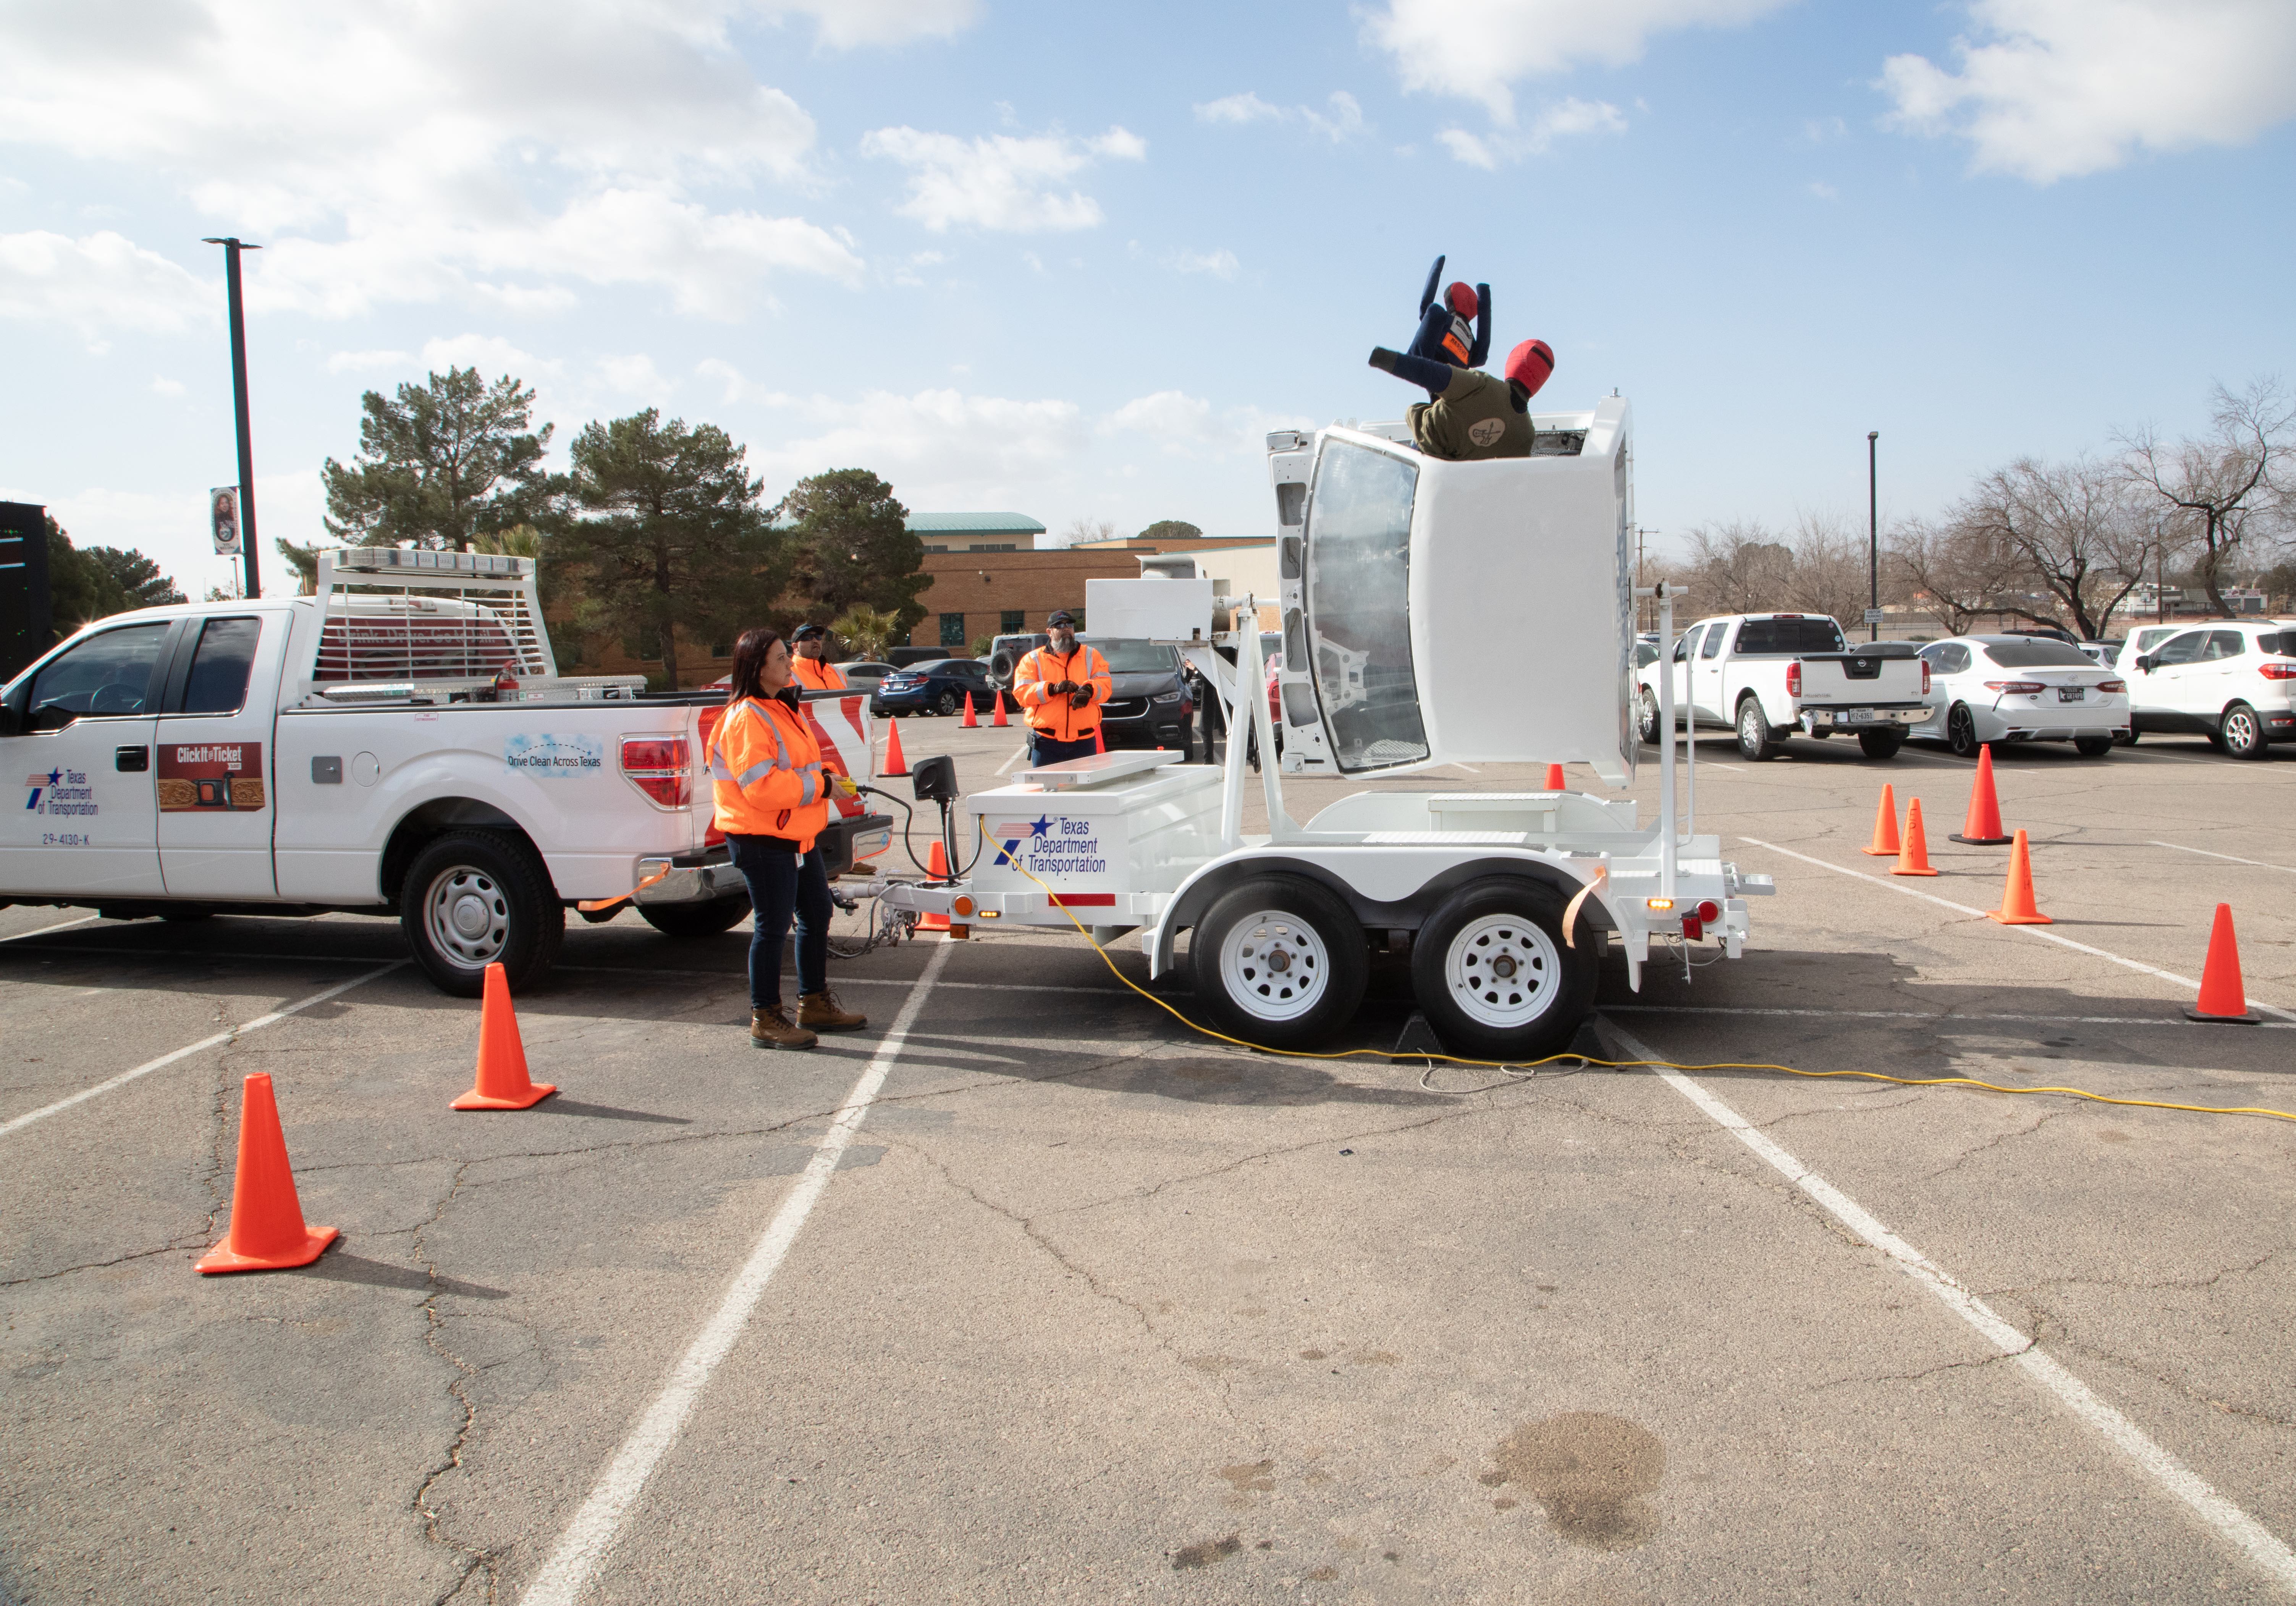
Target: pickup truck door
1677 666
1706 677
84 824
214 787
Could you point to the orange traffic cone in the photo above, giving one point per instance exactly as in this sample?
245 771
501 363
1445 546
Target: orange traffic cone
502 1082
268 1233
971 721
1099 742
2017 896
1982 828
1000 721
2223 999
1555 782
1914 853
937 868
897 762
1884 845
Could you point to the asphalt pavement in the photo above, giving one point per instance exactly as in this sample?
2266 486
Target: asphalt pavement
1029 1293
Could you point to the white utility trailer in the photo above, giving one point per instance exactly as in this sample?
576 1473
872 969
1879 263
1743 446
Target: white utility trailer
1432 614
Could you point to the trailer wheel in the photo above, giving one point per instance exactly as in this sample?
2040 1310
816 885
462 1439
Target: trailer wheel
1494 977
477 898
684 921
1279 961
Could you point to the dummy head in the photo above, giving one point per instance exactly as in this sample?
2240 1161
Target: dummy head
1528 366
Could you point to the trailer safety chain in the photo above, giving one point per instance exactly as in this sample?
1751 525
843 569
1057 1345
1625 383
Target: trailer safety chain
1524 1070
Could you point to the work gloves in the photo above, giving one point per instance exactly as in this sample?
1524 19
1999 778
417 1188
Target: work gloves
1078 695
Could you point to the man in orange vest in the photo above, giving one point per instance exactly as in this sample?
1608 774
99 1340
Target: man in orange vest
812 667
1062 686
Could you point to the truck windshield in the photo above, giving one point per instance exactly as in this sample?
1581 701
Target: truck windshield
1359 608
1817 634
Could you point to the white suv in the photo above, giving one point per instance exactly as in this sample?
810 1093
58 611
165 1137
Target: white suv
2233 682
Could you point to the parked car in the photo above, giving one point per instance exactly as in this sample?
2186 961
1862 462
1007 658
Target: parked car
936 687
2234 683
1005 653
861 674
2021 689
1148 701
910 657
1771 674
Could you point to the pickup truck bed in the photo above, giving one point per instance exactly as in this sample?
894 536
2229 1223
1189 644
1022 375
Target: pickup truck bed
1768 676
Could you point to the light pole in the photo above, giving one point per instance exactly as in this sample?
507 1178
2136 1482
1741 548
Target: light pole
232 247
1872 537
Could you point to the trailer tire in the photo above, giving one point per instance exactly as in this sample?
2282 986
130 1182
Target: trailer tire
1546 988
476 898
1279 961
686 921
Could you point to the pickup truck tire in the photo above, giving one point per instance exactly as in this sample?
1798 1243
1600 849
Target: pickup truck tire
1647 726
476 898
1279 961
1494 977
2244 733
1881 743
685 921
1754 740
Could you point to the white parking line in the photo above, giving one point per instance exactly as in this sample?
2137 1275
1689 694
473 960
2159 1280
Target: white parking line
2229 858
165 1060
1930 1015
1019 753
2249 1537
2031 931
592 1532
41 931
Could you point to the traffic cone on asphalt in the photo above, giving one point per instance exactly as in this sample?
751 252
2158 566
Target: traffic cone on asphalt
267 1233
1982 828
1914 853
1099 742
1000 721
502 1083
2017 896
971 722
2223 999
1555 781
897 762
937 866
1884 845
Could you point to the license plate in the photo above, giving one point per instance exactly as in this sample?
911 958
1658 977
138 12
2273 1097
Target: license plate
2072 694
1854 716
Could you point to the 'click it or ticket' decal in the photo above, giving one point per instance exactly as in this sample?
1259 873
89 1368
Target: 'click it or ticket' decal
210 774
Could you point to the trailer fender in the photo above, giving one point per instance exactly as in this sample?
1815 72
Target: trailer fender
1391 903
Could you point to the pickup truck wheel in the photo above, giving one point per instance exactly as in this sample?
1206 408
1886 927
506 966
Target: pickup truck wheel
1279 961
1646 726
1961 731
1494 977
684 921
2244 733
1754 741
1881 743
477 898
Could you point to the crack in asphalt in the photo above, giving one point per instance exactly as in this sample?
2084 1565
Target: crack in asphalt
1975 1363
1995 1142
2021 1290
174 1246
473 1558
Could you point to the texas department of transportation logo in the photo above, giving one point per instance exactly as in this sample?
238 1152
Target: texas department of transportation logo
1010 834
1047 847
59 791
39 784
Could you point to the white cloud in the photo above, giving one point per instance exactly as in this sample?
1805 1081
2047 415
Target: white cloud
101 281
1567 119
413 153
363 362
491 355
634 376
937 447
1220 264
2057 88
847 23
161 385
1342 120
1822 190
1477 49
1189 425
1002 181
736 389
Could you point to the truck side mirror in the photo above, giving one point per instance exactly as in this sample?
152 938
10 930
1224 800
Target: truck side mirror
2145 662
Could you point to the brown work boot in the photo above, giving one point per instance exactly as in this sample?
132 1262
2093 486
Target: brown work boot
821 1011
771 1029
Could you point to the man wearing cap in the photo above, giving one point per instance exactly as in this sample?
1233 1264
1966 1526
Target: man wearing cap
811 666
1062 686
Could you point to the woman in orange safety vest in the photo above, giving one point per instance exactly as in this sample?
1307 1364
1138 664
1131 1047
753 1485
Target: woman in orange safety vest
772 795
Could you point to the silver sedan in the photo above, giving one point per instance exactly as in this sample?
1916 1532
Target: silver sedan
2021 689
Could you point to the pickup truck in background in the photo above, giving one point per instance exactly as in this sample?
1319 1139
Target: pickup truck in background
1769 676
399 744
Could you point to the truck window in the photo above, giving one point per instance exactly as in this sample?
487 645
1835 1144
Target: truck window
106 674
2185 649
1359 608
1712 648
1804 635
221 665
2224 644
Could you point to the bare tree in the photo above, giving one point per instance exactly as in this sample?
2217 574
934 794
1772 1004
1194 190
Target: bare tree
1088 530
2228 486
2073 541
1828 571
1742 568
1954 573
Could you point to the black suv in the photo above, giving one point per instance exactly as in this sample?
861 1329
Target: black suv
1148 701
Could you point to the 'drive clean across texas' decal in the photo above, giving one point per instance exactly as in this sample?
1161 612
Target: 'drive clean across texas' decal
548 757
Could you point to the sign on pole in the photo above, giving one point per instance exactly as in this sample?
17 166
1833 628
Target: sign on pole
223 509
1872 616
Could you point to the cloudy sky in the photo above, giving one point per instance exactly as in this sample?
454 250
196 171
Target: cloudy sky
1076 259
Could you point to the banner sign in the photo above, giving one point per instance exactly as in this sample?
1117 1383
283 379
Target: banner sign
223 512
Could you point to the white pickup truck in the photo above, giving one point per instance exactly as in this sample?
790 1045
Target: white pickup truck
399 744
1770 675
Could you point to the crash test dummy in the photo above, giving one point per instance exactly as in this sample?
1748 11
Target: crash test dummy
1471 414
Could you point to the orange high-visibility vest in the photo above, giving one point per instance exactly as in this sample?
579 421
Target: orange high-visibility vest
765 774
817 674
1056 716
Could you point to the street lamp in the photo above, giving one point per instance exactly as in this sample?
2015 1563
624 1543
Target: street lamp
1873 539
232 247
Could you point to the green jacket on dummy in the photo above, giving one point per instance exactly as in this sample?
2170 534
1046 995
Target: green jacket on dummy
1475 417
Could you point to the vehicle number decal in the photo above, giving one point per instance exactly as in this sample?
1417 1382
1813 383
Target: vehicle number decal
555 757
60 792
195 777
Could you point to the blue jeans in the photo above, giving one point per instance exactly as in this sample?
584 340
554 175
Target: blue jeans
783 884
1049 750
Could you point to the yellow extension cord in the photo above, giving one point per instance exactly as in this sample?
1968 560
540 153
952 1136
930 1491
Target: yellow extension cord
1510 1068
